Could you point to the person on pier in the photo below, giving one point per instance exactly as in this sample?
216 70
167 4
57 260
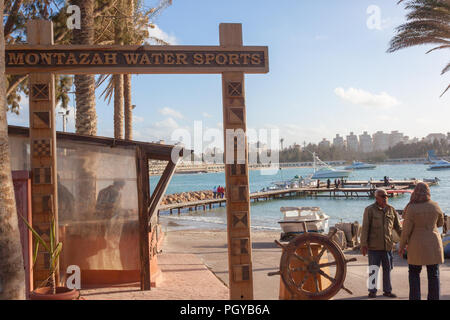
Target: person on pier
379 221
422 240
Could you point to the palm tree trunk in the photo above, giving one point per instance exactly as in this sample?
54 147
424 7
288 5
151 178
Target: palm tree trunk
127 80
118 106
12 275
128 107
86 118
118 78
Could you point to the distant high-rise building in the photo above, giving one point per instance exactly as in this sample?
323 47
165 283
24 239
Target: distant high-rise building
365 142
380 141
324 144
435 136
352 142
338 141
395 138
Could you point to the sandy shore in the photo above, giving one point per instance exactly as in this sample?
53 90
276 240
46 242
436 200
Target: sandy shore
211 247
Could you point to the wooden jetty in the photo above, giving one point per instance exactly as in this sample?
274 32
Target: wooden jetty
345 192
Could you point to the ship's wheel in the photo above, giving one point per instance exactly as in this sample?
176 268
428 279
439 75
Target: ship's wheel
316 274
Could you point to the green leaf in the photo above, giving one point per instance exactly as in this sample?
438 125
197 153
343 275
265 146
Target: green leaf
38 237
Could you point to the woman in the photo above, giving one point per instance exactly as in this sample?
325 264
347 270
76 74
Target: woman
424 243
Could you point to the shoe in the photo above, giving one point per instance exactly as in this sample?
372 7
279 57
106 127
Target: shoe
390 295
372 295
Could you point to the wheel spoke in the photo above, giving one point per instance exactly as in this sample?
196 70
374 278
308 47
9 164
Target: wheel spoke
321 254
328 264
323 274
300 286
298 269
308 244
316 282
300 258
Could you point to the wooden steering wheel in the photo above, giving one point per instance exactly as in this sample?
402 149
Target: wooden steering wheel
323 260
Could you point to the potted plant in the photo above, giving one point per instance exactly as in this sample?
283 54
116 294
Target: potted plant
49 290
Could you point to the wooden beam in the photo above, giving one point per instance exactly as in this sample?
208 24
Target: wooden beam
236 175
143 191
155 151
42 147
161 187
81 59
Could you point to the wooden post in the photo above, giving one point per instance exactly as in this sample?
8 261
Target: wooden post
236 175
43 146
143 186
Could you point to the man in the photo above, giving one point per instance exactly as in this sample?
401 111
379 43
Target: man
109 199
215 192
380 219
66 202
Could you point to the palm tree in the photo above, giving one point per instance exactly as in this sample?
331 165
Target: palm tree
428 22
128 108
12 275
86 117
130 27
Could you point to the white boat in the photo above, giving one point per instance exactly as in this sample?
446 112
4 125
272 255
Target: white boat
294 219
439 165
325 171
357 165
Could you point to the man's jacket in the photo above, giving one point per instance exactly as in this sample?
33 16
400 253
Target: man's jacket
377 228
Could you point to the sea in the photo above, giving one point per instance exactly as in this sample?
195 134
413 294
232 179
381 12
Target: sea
266 214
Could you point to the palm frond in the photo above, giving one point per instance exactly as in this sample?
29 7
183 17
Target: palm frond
428 22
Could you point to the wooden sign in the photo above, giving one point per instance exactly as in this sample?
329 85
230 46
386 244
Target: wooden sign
78 59
41 59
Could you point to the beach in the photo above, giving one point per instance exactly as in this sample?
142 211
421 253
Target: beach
210 246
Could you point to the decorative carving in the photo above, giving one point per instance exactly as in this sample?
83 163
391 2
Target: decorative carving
42 175
240 220
240 246
238 169
40 92
234 89
43 203
239 193
42 148
236 115
41 120
241 272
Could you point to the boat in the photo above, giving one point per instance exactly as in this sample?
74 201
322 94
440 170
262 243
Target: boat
439 165
325 171
434 181
294 219
357 165
431 157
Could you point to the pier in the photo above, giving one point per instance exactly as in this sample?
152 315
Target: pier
351 189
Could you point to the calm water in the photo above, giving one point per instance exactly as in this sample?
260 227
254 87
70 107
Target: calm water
264 215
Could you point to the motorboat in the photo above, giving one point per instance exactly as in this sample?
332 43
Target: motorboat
357 165
439 165
295 218
325 171
434 181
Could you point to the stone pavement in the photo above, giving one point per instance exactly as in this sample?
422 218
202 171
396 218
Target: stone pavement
184 277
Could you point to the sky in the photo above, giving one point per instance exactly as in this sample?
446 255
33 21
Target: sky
329 73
